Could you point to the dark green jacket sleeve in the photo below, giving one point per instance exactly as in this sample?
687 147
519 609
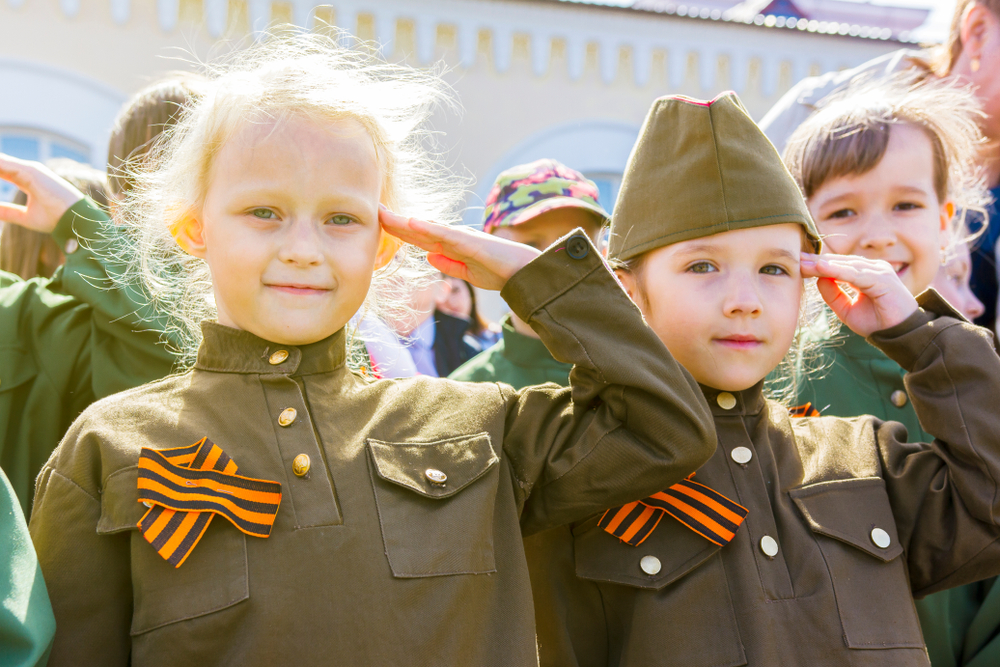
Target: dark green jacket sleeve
26 621
64 343
633 421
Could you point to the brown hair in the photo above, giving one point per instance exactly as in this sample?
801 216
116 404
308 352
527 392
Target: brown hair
28 253
849 134
948 53
150 111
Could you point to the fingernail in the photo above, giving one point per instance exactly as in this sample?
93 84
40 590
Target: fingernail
383 206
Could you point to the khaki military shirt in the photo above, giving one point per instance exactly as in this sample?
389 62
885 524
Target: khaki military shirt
368 562
847 522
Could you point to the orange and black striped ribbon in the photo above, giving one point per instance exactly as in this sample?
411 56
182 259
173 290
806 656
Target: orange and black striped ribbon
806 410
706 512
187 486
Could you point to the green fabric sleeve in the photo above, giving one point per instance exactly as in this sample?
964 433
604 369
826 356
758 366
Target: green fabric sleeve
26 621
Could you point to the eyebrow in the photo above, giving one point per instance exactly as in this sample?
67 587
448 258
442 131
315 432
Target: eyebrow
706 248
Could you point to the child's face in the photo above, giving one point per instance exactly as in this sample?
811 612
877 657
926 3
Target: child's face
543 230
726 306
952 282
289 228
890 213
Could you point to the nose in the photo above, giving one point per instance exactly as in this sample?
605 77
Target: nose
974 307
877 233
742 297
300 244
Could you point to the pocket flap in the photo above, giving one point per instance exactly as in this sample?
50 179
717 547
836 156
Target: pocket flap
676 550
16 367
852 511
452 464
120 506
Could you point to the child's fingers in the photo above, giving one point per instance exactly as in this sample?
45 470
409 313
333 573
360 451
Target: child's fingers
840 302
13 213
448 266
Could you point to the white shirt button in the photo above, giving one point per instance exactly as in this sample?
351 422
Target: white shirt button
71 246
742 455
726 400
881 538
650 565
769 546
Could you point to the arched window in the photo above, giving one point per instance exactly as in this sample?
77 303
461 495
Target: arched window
29 144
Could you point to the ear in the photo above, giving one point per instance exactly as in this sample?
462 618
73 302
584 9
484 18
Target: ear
388 245
974 29
189 233
627 281
947 215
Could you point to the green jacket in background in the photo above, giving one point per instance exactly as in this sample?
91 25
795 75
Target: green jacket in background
26 621
64 343
517 360
960 625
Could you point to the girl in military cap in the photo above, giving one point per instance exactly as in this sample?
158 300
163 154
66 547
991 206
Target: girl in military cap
272 506
801 541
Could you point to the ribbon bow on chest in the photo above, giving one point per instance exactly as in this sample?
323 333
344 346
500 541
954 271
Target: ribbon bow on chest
186 487
706 512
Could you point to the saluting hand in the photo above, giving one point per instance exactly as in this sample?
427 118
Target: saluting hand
882 301
49 196
481 259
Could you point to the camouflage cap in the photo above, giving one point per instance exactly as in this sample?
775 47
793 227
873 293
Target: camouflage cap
701 168
528 190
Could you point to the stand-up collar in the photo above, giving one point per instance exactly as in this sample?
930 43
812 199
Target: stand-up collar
735 403
228 350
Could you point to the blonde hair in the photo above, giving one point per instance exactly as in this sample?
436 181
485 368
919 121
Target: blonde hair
849 134
286 73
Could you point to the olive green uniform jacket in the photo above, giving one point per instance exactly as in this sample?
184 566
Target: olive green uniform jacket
26 621
517 360
819 487
368 563
64 343
960 625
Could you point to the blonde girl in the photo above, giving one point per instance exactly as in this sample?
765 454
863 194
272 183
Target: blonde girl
271 506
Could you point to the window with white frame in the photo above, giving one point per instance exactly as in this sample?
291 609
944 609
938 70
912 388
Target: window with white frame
29 144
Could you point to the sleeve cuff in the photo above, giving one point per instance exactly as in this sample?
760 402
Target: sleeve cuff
905 342
82 220
568 261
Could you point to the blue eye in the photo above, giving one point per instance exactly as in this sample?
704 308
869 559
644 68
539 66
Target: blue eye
263 213
774 270
701 267
842 213
341 220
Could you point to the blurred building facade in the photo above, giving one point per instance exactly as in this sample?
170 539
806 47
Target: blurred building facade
536 78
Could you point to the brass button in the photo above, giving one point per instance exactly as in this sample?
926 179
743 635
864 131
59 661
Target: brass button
726 400
287 416
769 546
300 466
650 565
71 246
881 538
435 476
742 455
278 357
898 398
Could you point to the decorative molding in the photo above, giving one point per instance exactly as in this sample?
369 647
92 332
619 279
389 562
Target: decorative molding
768 42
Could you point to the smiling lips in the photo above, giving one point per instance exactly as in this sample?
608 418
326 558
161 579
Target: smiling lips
300 290
740 342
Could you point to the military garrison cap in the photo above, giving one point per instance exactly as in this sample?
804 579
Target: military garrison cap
701 168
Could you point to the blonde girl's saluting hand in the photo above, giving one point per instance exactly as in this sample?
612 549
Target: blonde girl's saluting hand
882 299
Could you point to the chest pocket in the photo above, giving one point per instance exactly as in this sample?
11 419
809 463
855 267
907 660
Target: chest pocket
856 531
435 504
661 595
213 578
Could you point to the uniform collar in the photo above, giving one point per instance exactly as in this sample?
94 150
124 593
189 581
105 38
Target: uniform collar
228 350
524 350
748 402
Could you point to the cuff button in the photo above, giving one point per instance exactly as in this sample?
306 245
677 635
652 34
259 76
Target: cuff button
577 247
